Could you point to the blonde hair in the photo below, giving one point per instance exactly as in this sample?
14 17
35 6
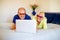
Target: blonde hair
43 13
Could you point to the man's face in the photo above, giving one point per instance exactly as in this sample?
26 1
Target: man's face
22 13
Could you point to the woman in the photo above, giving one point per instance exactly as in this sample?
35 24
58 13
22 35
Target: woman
41 21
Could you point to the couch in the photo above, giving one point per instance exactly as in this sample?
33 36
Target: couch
53 17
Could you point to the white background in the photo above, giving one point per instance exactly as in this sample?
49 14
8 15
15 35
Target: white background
8 8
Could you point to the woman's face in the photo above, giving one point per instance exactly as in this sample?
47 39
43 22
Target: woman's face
40 17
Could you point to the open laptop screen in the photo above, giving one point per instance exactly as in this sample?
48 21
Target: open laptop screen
26 26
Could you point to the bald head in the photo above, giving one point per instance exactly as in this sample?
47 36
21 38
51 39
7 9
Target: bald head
21 10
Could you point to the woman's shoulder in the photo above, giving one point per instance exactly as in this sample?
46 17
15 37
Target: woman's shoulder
44 19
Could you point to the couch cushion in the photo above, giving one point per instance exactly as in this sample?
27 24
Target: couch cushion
56 19
49 17
53 18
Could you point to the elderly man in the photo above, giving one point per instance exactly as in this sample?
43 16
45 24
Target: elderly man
21 15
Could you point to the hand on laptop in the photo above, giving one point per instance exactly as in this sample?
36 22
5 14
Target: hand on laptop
13 27
37 28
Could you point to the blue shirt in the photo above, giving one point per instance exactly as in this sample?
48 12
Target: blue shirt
17 17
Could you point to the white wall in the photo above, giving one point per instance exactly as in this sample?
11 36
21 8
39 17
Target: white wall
54 5
0 6
8 8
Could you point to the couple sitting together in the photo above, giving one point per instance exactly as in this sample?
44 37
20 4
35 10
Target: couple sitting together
40 18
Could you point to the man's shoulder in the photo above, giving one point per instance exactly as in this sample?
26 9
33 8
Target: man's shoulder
27 17
16 16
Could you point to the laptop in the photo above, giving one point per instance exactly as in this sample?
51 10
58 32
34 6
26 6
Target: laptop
27 26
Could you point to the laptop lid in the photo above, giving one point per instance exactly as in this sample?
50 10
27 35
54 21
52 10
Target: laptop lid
28 26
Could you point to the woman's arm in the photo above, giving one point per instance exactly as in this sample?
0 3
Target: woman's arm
45 24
